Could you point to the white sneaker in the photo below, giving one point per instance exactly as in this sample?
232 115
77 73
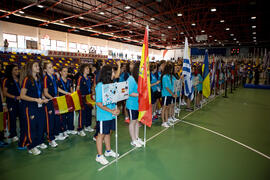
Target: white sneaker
170 119
175 119
81 133
15 138
35 151
169 123
89 129
73 132
65 134
60 137
165 125
102 160
111 153
53 144
139 140
94 139
136 144
42 146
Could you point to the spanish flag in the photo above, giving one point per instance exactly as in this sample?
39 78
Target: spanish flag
67 103
145 106
206 76
89 100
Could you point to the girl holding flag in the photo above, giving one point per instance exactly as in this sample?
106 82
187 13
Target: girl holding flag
65 87
85 114
31 93
105 116
53 128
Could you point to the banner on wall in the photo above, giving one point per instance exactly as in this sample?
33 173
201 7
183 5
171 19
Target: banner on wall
78 54
87 61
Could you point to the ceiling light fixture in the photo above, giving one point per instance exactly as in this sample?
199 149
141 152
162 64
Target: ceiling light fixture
21 12
234 39
127 7
227 29
222 21
40 6
182 33
253 17
193 24
81 17
109 25
102 13
202 31
253 27
179 14
231 34
254 33
169 27
213 10
61 21
152 19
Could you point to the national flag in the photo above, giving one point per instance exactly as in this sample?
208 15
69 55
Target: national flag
188 88
67 103
88 99
144 87
213 73
63 104
206 76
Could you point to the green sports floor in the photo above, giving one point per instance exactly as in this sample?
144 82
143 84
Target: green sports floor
229 138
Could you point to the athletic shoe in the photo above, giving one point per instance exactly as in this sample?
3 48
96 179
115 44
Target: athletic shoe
53 144
189 109
136 144
175 119
42 146
170 119
102 160
139 140
35 151
89 129
81 133
65 134
170 123
73 132
111 153
127 120
15 138
60 137
94 139
165 125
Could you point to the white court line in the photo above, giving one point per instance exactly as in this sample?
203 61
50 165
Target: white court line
157 134
226 137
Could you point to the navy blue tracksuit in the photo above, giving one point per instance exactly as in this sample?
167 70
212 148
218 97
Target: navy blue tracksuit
85 114
53 124
34 113
67 119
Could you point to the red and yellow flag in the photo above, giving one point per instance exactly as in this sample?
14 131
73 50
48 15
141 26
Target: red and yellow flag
145 106
67 103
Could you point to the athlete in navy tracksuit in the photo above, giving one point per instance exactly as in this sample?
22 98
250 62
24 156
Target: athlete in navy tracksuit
12 92
65 87
85 114
31 93
53 124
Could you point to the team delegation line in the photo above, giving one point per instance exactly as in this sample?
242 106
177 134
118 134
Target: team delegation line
192 124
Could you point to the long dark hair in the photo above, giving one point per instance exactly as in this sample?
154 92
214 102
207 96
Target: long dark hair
82 68
29 67
135 71
168 69
9 69
105 75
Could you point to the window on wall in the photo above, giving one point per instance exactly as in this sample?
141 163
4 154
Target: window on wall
82 48
72 47
61 46
11 38
21 42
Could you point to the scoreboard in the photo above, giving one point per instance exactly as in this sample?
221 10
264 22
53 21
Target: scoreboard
235 51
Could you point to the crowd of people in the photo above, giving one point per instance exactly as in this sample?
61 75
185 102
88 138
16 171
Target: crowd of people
27 93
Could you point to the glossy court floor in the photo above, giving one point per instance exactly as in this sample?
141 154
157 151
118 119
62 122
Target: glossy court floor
229 138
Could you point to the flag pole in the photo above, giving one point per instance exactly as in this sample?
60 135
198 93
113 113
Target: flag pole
116 137
144 138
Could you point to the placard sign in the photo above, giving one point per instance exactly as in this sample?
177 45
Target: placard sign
114 92
177 86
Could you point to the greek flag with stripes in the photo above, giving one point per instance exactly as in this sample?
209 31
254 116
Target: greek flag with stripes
188 88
